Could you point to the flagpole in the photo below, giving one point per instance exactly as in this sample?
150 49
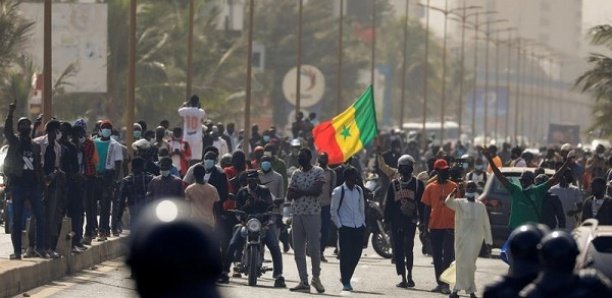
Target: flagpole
190 50
298 84
247 105
131 98
339 77
47 105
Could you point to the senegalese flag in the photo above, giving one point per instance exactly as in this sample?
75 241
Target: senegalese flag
346 134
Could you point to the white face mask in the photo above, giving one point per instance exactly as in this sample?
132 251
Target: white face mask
165 173
58 135
470 195
82 140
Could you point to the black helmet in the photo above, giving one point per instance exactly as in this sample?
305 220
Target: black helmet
523 248
558 252
171 255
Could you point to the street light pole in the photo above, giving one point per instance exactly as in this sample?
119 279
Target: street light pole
509 68
404 57
425 81
188 90
496 86
443 100
247 105
298 85
373 66
486 83
47 105
463 19
131 99
340 33
476 25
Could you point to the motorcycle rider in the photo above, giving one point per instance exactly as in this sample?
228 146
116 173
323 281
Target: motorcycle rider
255 199
403 211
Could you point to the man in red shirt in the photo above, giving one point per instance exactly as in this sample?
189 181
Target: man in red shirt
440 221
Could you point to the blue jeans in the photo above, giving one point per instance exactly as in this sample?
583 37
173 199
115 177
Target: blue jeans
271 242
20 195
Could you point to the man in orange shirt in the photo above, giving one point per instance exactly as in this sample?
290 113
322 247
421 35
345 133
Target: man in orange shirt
494 157
441 222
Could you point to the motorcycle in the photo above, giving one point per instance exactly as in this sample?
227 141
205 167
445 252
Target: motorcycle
381 239
253 230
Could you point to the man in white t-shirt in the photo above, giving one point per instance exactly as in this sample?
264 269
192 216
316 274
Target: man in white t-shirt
193 116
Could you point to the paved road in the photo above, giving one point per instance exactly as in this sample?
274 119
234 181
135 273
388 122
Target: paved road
374 277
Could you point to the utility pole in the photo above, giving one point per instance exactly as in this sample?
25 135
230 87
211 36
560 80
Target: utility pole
425 81
298 85
188 90
131 99
247 105
373 66
340 46
404 57
47 106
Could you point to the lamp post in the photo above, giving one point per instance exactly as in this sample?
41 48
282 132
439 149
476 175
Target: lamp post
131 98
298 85
486 84
446 12
463 17
340 33
188 89
509 69
405 48
425 81
247 105
498 44
47 100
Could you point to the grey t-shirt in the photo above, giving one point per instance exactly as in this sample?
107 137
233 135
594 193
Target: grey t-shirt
301 180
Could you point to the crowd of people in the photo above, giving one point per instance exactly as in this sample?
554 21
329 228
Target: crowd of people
64 169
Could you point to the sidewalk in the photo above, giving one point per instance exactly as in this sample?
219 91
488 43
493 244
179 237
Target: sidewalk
20 276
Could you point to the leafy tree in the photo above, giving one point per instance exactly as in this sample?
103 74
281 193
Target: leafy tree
597 81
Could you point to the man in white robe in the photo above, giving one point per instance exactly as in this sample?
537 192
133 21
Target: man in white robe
471 228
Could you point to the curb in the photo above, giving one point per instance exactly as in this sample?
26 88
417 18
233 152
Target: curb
21 276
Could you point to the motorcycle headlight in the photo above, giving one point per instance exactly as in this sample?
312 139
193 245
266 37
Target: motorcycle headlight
254 225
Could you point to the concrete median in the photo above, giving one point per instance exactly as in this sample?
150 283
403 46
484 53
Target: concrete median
20 276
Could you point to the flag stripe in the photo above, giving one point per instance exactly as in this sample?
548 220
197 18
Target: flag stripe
325 141
365 116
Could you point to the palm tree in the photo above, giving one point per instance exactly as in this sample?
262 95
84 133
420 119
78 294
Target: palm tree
597 81
15 70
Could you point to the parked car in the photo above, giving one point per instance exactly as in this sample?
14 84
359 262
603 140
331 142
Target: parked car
498 202
595 244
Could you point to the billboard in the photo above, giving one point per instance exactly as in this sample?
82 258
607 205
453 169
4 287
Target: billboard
561 133
79 36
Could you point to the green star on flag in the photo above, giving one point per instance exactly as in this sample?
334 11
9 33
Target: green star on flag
346 132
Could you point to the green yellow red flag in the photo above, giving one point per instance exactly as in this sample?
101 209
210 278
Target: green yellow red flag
348 133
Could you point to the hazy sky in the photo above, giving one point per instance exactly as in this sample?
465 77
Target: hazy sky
596 12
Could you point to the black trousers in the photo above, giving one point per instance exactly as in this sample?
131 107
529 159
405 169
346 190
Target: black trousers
75 197
325 224
105 193
91 207
351 248
403 244
443 250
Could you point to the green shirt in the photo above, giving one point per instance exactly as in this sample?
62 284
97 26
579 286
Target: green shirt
526 204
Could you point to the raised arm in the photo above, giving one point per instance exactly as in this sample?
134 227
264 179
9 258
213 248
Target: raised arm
555 178
504 181
9 133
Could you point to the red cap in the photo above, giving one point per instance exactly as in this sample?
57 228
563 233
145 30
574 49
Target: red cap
440 164
106 122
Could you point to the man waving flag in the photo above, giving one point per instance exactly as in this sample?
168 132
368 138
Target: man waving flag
346 134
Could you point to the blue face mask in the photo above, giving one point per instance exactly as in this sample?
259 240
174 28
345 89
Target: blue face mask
266 166
209 164
479 167
105 132
137 134
266 138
